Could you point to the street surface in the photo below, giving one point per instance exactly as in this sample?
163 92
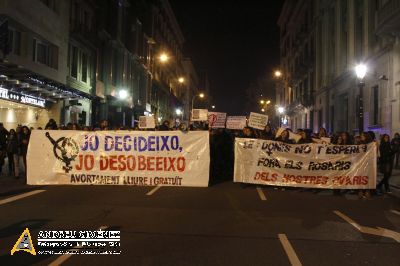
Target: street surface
225 224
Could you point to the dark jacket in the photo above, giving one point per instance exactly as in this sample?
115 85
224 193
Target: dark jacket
24 141
13 144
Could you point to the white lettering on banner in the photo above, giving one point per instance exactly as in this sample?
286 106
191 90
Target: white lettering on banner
258 121
305 165
119 158
216 120
236 122
21 98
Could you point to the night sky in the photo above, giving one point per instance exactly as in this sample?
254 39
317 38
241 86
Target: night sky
237 42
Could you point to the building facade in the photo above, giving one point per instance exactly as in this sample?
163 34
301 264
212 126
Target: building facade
91 60
348 33
295 88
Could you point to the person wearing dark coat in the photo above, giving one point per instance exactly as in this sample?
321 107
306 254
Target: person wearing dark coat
24 142
3 145
13 146
387 153
164 126
267 133
396 146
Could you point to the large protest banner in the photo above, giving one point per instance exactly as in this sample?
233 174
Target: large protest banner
118 158
305 165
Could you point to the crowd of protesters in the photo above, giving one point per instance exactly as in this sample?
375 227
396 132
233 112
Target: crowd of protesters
14 145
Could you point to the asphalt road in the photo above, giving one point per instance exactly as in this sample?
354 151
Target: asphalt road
226 224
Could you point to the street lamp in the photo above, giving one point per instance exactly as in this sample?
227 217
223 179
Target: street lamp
262 101
178 111
360 70
122 94
213 106
263 110
277 74
163 57
281 111
201 95
181 80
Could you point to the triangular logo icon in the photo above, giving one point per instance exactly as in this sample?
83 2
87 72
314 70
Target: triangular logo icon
24 243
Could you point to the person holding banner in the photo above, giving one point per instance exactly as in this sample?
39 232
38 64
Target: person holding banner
284 137
267 133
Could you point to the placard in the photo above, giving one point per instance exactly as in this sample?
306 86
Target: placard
236 122
216 119
199 115
147 122
258 121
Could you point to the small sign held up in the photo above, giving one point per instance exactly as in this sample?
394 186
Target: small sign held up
147 122
236 122
258 121
216 120
199 115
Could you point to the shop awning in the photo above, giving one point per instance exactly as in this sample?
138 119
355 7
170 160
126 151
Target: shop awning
19 80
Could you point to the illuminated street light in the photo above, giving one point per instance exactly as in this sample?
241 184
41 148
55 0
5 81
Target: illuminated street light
281 110
122 94
178 111
278 74
163 57
263 110
213 106
361 70
262 101
268 102
201 95
181 80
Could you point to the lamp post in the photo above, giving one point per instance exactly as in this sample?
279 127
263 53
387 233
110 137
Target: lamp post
360 70
281 111
201 95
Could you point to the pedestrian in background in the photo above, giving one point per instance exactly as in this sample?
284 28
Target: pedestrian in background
13 153
385 162
25 135
3 145
267 133
396 146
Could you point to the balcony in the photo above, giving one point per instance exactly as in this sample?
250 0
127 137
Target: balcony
389 18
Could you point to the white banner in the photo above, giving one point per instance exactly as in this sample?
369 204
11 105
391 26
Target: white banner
305 165
199 115
146 122
258 121
216 120
236 122
141 158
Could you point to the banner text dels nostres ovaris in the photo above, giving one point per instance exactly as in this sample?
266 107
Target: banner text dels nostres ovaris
305 165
